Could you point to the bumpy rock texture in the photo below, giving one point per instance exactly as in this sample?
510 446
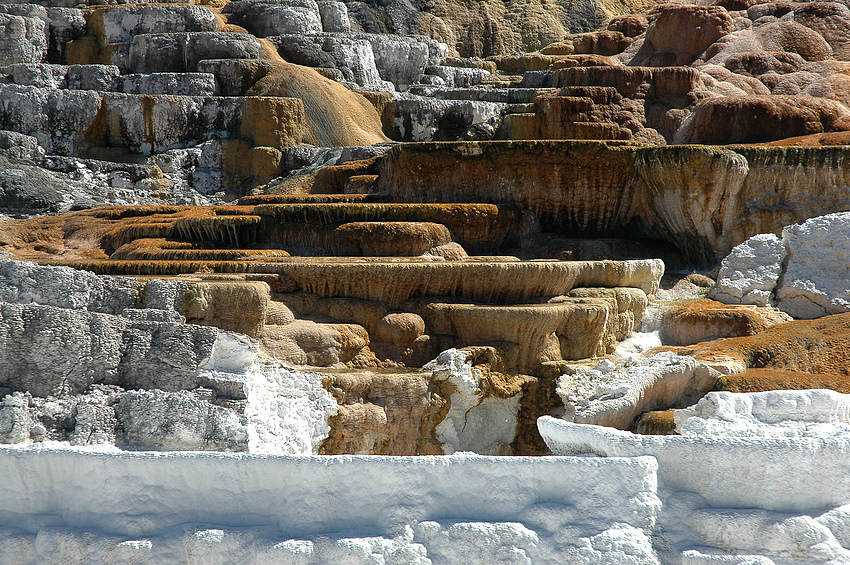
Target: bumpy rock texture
95 360
804 273
507 268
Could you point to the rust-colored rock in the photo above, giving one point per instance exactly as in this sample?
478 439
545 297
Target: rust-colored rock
830 20
600 42
809 346
687 31
793 37
760 62
761 380
754 119
691 321
388 239
629 26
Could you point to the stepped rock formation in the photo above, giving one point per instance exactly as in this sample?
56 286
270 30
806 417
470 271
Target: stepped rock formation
704 200
452 234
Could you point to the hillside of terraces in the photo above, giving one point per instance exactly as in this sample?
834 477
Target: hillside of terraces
425 228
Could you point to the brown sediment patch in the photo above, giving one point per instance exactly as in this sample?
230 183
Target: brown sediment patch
337 115
814 140
761 380
808 346
656 423
538 399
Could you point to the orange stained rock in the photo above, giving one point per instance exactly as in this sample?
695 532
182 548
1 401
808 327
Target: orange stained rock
655 422
336 115
692 321
760 380
809 346
813 140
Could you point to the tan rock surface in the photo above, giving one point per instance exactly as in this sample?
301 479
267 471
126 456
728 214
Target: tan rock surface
230 305
304 342
336 115
399 327
365 313
691 321
385 413
493 282
627 307
278 314
809 346
492 27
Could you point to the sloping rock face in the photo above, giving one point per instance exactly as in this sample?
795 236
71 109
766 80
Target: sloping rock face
691 321
808 346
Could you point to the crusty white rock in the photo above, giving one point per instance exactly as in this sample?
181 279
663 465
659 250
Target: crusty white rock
805 273
817 269
475 422
750 272
610 395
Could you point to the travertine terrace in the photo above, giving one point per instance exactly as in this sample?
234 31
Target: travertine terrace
323 281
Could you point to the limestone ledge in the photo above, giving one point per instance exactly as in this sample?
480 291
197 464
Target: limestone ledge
704 199
414 510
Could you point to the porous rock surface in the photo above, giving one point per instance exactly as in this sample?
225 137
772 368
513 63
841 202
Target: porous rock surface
93 360
803 274
372 262
613 396
782 435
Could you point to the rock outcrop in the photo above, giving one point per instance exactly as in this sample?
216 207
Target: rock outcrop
808 346
801 273
614 396
91 360
692 321
607 189
776 439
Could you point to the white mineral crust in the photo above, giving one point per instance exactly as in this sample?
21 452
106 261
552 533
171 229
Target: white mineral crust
749 273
